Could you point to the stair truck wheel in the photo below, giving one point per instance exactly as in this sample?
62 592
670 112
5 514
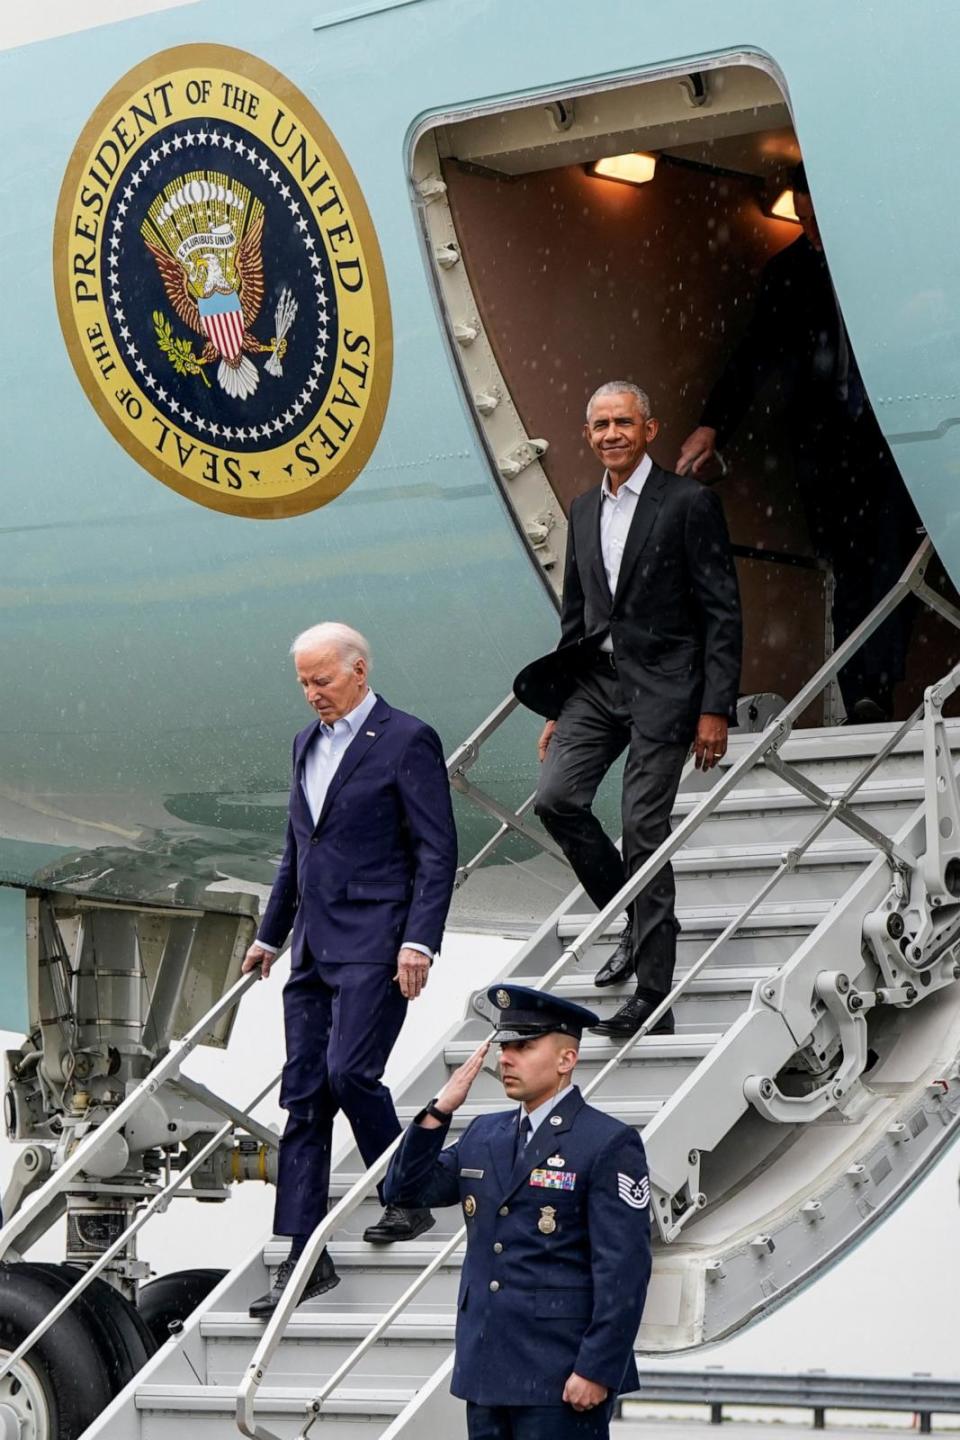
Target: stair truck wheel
61 1385
174 1297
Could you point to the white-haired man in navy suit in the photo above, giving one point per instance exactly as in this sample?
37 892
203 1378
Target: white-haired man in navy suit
365 885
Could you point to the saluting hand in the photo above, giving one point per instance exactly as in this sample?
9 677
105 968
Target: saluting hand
583 1394
457 1088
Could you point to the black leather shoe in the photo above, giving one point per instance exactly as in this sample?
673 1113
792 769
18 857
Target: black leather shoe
396 1223
630 1017
620 964
324 1278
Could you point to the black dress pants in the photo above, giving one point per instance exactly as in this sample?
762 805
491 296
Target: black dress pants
593 730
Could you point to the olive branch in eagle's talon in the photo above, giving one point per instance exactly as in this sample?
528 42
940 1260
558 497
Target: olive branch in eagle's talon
178 352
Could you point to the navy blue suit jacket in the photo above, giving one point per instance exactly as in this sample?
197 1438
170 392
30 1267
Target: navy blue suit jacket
537 1305
378 867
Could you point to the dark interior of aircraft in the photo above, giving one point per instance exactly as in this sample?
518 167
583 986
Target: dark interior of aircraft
578 278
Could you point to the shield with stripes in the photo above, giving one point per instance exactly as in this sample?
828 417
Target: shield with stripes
222 319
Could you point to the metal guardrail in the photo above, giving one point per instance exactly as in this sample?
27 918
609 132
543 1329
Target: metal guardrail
911 582
920 1395
169 1068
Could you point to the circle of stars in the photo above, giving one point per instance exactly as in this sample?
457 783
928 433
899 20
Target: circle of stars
263 163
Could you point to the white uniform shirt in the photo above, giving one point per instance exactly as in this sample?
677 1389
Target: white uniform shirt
616 517
537 1116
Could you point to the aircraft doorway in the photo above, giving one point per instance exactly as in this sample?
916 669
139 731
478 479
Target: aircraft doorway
555 278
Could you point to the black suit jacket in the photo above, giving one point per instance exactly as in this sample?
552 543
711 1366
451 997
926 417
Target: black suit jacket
796 349
675 618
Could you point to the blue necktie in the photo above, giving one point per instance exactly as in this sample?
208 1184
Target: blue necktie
524 1131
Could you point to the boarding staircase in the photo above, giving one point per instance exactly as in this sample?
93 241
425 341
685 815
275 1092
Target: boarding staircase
811 1082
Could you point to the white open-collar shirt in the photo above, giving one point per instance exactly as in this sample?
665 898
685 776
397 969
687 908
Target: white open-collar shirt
616 517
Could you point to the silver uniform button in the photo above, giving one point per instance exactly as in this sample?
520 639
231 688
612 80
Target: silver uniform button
504 1210
498 1248
494 1284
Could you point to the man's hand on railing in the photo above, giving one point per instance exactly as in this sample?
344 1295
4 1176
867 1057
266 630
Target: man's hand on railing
546 735
457 1088
710 744
258 955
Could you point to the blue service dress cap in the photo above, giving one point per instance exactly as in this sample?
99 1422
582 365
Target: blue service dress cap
521 1013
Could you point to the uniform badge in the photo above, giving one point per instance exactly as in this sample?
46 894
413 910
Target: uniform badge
503 999
470 1207
556 1119
557 1161
635 1193
554 1179
547 1224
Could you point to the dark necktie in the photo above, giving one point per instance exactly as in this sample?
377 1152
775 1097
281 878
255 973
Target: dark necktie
524 1131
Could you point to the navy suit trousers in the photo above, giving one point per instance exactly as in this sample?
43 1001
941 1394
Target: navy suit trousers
538 1422
341 1022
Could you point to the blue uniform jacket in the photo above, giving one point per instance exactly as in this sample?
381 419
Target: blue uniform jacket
378 867
558 1248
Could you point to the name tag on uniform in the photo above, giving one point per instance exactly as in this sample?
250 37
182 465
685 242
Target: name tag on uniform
471 1174
554 1179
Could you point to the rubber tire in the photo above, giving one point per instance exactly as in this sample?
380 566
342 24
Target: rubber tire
67 1361
175 1297
126 1342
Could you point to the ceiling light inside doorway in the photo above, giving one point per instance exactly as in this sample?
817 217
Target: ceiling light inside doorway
634 169
783 207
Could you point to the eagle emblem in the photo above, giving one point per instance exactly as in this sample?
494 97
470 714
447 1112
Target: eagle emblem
205 233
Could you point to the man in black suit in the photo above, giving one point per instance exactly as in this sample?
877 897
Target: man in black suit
797 354
648 661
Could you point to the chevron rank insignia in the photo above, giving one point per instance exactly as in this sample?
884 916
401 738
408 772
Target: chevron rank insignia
635 1193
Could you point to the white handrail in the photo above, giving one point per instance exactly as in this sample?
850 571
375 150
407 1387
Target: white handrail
157 1202
166 1069
911 581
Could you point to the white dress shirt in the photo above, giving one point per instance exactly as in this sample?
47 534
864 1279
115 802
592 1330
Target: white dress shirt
616 517
321 765
327 751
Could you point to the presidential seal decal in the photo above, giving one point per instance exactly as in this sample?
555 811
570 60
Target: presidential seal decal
220 286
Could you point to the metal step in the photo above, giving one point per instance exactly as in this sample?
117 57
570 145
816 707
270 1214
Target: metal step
654 1068
780 815
201 1411
626 1108
705 922
317 1343
733 853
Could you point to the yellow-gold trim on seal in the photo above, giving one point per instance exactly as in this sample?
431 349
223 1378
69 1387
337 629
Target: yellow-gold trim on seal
220 286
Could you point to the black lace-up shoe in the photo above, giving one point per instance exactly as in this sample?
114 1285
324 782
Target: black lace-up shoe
630 1017
324 1278
396 1223
620 964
